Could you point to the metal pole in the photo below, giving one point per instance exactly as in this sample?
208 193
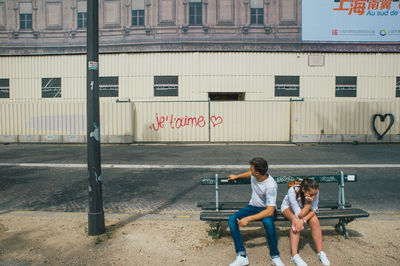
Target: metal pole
339 201
216 193
209 119
342 200
96 214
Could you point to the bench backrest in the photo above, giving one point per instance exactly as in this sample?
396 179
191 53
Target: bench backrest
281 179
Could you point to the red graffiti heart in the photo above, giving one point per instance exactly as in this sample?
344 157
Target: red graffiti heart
216 120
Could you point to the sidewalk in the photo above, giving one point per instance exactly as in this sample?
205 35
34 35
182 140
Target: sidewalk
37 238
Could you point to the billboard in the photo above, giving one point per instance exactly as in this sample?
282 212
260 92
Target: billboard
351 21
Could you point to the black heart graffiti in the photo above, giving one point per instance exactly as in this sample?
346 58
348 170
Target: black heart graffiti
382 118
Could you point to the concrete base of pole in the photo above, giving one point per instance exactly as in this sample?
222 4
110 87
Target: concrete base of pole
96 223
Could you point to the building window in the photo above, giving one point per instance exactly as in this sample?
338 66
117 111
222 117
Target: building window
82 15
397 86
137 12
226 96
4 88
346 87
195 12
51 87
287 86
25 16
108 87
257 12
165 85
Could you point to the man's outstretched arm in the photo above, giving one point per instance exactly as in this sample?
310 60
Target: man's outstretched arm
242 175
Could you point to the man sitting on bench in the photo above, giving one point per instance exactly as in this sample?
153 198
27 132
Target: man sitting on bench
262 206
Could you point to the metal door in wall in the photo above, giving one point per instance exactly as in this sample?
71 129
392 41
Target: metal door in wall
250 121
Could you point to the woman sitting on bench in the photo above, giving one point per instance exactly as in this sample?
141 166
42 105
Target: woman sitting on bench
300 206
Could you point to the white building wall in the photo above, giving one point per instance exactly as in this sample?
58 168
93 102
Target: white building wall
344 121
198 74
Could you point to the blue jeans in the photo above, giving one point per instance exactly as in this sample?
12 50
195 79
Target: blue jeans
269 225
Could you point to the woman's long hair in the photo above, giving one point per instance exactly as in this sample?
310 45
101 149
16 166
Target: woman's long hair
307 184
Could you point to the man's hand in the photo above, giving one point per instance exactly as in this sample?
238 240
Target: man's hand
243 222
232 177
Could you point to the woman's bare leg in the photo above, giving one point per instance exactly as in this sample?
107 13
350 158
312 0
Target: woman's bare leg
316 232
294 236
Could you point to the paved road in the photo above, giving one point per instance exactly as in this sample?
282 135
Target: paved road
205 154
154 190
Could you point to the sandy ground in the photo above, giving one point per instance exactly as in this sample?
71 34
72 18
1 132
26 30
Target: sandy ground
181 239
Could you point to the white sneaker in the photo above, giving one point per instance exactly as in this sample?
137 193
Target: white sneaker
298 260
277 261
323 258
240 261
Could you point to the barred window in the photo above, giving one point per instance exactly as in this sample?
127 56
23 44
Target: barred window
108 87
397 86
25 16
257 12
346 86
4 88
82 15
195 12
82 20
137 12
51 87
165 85
287 86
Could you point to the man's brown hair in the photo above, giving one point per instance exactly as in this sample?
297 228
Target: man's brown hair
260 165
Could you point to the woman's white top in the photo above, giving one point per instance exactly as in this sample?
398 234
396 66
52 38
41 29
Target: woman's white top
295 204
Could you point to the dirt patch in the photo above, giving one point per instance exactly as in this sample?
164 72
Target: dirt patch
63 240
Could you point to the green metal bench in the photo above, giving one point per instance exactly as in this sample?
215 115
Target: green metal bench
210 205
221 211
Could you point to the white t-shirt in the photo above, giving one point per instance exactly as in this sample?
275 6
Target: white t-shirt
295 204
263 193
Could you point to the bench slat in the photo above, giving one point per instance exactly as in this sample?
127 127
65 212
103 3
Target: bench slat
322 214
281 179
238 205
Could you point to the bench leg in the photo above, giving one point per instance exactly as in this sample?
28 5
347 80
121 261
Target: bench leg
215 230
340 227
218 229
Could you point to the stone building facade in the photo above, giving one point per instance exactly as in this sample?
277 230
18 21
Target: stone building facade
59 27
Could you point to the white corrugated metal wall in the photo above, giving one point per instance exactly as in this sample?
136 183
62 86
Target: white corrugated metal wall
212 121
250 121
348 120
199 74
171 121
63 121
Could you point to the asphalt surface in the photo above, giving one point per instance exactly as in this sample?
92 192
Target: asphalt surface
156 190
205 154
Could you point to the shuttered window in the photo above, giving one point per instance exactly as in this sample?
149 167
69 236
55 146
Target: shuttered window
165 85
287 86
4 88
346 86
